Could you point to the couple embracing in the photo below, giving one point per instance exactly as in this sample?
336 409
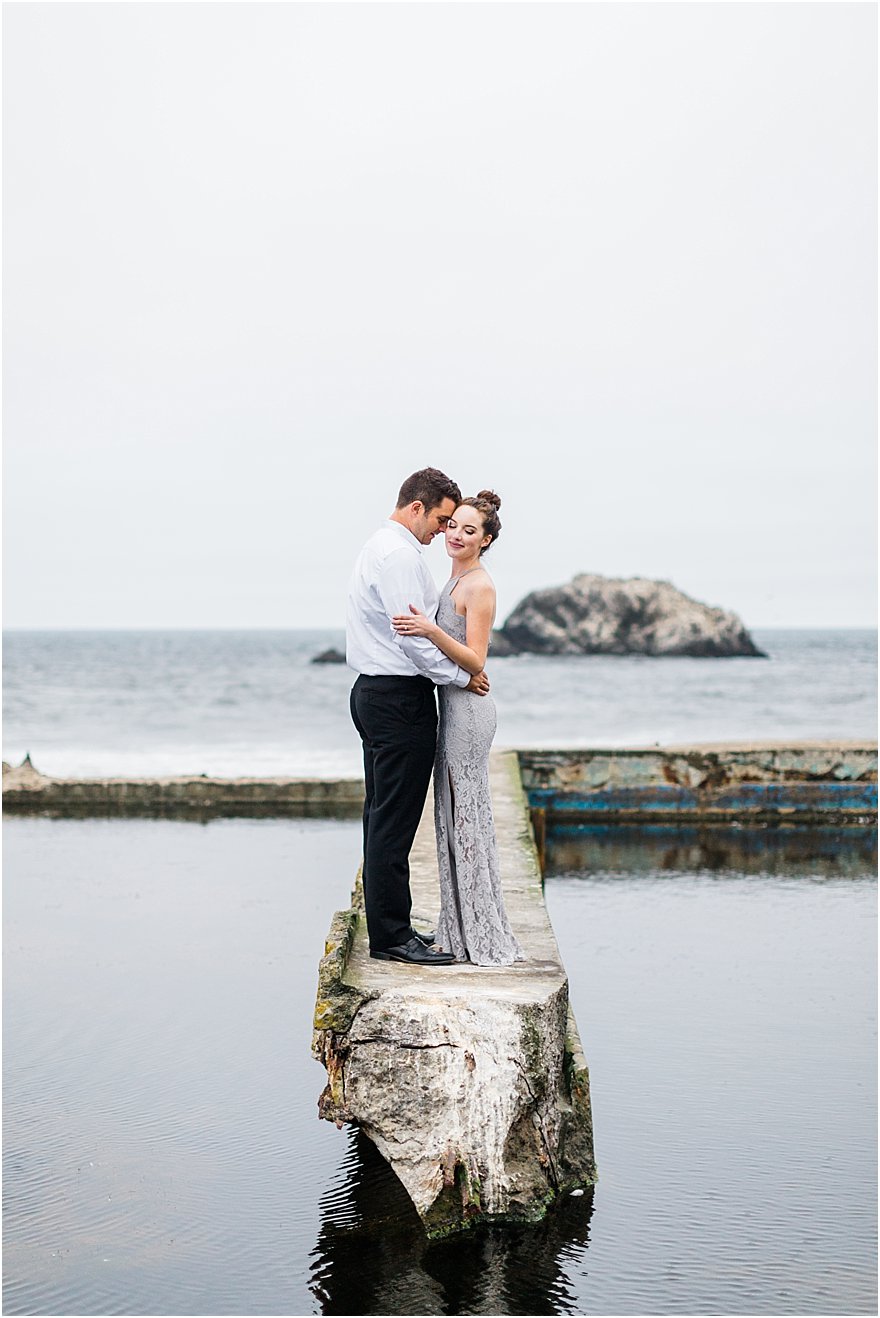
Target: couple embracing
404 640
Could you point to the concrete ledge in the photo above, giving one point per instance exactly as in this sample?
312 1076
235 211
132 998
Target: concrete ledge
28 792
813 781
470 1080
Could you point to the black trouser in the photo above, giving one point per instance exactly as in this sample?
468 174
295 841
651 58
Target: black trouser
397 721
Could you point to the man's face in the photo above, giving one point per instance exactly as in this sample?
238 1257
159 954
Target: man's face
430 522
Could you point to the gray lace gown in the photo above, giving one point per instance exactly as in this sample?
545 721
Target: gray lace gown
473 923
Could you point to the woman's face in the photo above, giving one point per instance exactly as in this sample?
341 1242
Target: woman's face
465 533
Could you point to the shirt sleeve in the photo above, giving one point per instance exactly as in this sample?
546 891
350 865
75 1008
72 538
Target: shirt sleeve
399 586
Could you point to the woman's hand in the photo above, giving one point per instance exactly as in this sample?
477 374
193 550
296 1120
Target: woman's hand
413 623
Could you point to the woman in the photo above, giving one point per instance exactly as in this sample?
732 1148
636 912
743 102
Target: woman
473 923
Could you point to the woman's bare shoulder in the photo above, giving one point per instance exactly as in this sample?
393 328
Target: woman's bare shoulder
480 588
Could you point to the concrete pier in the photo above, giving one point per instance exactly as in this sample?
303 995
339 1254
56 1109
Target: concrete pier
470 1080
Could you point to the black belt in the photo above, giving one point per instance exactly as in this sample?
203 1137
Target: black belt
390 681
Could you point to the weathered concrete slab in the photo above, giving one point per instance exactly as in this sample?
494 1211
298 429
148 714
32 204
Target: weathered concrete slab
470 1080
814 781
27 791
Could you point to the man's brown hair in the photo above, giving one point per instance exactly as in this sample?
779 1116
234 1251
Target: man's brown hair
430 487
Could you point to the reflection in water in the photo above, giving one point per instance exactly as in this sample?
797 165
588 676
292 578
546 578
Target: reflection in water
372 1255
784 849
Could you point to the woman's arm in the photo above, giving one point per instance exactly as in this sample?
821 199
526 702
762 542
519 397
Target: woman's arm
480 614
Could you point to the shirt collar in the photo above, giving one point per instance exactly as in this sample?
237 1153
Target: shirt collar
406 533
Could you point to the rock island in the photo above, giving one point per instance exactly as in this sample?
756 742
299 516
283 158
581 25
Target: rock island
616 615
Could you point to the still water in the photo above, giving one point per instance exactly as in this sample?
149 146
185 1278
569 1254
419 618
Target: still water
161 1148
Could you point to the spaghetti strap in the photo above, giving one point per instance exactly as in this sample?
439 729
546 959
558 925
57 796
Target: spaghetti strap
457 579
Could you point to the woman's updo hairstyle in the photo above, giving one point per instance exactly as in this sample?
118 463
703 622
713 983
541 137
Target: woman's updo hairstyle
487 503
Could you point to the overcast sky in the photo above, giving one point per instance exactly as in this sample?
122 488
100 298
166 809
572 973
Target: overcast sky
261 261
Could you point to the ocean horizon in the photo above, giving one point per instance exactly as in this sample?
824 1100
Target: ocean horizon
231 702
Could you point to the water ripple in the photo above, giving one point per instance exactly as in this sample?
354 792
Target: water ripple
161 1147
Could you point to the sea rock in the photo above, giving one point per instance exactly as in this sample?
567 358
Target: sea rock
500 646
331 656
613 615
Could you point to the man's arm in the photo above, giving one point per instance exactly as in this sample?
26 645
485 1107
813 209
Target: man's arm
400 585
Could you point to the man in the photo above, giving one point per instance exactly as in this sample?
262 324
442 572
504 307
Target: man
394 707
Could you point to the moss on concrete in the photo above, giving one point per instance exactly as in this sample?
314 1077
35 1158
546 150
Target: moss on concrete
577 1161
337 1001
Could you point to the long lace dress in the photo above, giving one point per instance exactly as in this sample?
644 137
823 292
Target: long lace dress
473 923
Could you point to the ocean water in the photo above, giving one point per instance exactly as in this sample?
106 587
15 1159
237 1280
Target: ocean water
161 1147
248 703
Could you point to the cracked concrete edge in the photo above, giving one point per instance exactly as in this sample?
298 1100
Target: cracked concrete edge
337 1003
582 1167
577 1155
509 763
700 766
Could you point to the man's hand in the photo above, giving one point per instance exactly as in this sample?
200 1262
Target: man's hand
479 684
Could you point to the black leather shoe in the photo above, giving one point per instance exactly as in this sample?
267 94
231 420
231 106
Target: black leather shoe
426 938
415 953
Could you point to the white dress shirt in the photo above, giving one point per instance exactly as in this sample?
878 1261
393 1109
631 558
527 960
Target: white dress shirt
389 575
